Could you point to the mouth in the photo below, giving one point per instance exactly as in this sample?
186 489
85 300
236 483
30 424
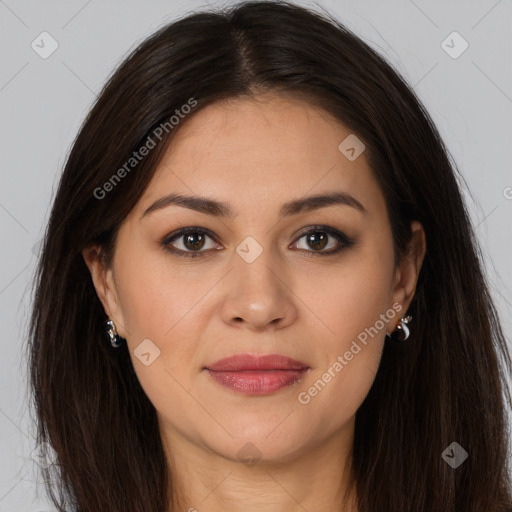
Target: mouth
257 375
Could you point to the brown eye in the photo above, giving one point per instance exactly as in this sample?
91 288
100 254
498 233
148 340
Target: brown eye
317 240
320 238
189 242
194 241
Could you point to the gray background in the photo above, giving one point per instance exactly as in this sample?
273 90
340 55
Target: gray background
43 101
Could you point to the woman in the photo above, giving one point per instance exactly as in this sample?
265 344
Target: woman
260 288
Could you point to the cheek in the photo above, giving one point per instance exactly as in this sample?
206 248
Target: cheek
167 306
351 300
355 312
336 392
158 305
350 353
155 297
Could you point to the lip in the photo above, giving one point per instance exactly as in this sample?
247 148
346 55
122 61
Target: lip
257 375
241 362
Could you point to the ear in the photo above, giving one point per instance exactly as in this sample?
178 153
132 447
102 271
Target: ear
104 283
408 271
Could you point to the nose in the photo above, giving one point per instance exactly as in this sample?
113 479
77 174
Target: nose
259 296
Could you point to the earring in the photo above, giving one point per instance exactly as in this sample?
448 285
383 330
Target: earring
115 339
401 332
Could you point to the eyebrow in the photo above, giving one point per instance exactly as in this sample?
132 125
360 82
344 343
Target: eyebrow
218 209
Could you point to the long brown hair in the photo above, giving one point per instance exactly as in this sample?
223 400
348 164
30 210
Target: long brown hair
446 384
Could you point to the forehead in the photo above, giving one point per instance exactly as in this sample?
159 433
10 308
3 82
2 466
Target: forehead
270 148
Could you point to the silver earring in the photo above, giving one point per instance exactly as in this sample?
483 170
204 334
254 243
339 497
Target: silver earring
401 332
115 339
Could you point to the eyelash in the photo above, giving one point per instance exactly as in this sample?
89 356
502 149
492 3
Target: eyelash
345 240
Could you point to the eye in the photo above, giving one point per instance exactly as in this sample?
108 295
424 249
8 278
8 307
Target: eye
321 237
190 242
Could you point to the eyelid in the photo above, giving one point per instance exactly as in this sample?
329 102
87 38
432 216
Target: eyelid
340 236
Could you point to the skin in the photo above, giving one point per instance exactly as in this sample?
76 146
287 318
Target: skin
256 154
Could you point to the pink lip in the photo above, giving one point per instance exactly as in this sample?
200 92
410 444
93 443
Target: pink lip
240 362
257 375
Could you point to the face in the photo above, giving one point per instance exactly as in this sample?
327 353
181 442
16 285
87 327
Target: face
269 272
